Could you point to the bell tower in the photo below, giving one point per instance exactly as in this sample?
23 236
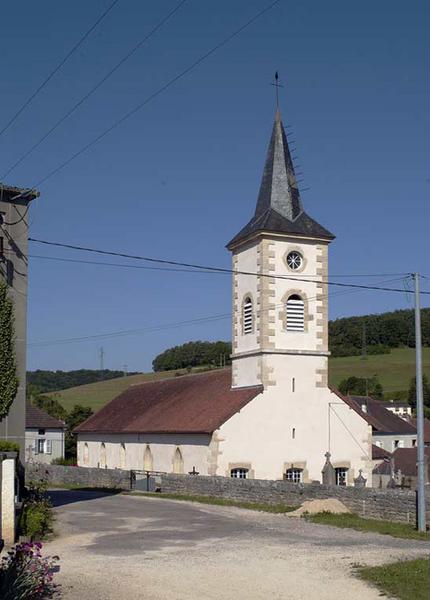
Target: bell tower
280 317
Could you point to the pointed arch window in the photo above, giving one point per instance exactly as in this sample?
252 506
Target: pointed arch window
122 456
295 309
178 462
103 455
148 462
86 457
248 316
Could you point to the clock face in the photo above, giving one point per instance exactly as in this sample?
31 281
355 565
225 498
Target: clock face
294 260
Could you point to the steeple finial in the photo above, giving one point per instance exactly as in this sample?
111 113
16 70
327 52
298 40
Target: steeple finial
277 85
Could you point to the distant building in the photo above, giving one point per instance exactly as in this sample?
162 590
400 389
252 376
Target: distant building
14 206
272 415
426 430
389 431
44 436
401 409
404 468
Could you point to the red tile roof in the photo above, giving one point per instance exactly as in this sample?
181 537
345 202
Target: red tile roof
38 419
405 459
379 453
188 404
426 429
382 419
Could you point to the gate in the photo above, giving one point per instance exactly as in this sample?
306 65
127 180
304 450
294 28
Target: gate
146 481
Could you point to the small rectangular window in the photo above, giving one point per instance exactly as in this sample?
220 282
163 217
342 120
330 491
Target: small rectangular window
294 475
341 476
41 446
239 473
293 384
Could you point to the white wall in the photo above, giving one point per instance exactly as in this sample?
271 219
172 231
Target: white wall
194 450
262 433
387 441
55 436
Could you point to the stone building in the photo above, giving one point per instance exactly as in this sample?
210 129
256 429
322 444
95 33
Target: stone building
271 416
14 208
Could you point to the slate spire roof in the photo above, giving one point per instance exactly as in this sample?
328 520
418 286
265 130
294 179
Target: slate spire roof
279 207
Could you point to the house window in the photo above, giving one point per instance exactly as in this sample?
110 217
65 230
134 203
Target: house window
294 475
396 444
414 443
248 319
239 473
41 432
178 462
295 309
41 446
341 475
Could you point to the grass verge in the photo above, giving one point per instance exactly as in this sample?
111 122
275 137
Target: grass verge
406 580
270 508
351 521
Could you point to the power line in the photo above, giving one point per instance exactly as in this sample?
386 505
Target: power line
95 87
216 269
128 266
58 67
175 325
159 91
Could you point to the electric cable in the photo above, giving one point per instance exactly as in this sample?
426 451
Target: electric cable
95 87
58 67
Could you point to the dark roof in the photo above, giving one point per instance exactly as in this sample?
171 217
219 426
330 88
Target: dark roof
354 406
279 207
426 429
383 420
405 459
379 453
9 193
39 419
187 404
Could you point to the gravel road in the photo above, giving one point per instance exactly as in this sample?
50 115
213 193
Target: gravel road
118 546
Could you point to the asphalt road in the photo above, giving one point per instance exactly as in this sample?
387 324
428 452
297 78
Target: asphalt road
118 546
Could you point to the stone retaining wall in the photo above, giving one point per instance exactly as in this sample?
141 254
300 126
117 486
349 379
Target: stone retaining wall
83 476
392 505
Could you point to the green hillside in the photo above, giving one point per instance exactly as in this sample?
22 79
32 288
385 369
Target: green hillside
394 371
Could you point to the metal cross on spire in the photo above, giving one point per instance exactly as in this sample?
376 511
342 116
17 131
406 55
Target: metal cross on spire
277 85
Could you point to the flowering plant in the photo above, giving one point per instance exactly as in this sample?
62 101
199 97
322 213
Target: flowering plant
26 575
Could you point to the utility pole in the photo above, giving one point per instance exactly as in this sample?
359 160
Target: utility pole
102 355
421 500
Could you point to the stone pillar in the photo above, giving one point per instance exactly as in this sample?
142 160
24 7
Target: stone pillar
328 471
7 497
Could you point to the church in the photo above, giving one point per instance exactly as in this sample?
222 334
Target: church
271 415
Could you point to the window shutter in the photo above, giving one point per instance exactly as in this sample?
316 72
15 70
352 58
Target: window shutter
48 446
295 314
247 316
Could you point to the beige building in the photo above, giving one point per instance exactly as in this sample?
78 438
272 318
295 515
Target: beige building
272 416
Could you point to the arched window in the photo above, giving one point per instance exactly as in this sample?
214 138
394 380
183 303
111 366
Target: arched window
248 317
122 456
239 473
295 310
86 456
294 475
178 462
148 464
103 455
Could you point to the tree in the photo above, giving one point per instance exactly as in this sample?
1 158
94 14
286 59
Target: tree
361 386
77 415
8 376
412 393
193 354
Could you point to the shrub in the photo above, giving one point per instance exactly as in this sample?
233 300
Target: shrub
26 575
36 516
6 446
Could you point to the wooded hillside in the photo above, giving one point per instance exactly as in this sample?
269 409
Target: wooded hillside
51 381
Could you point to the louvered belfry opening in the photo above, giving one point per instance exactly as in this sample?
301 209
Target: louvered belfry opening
295 313
248 324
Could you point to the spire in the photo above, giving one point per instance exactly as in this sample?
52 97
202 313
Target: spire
279 207
278 188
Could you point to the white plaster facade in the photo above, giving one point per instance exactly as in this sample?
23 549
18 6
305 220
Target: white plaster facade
43 445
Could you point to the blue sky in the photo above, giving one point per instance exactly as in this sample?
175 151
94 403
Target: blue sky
181 177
